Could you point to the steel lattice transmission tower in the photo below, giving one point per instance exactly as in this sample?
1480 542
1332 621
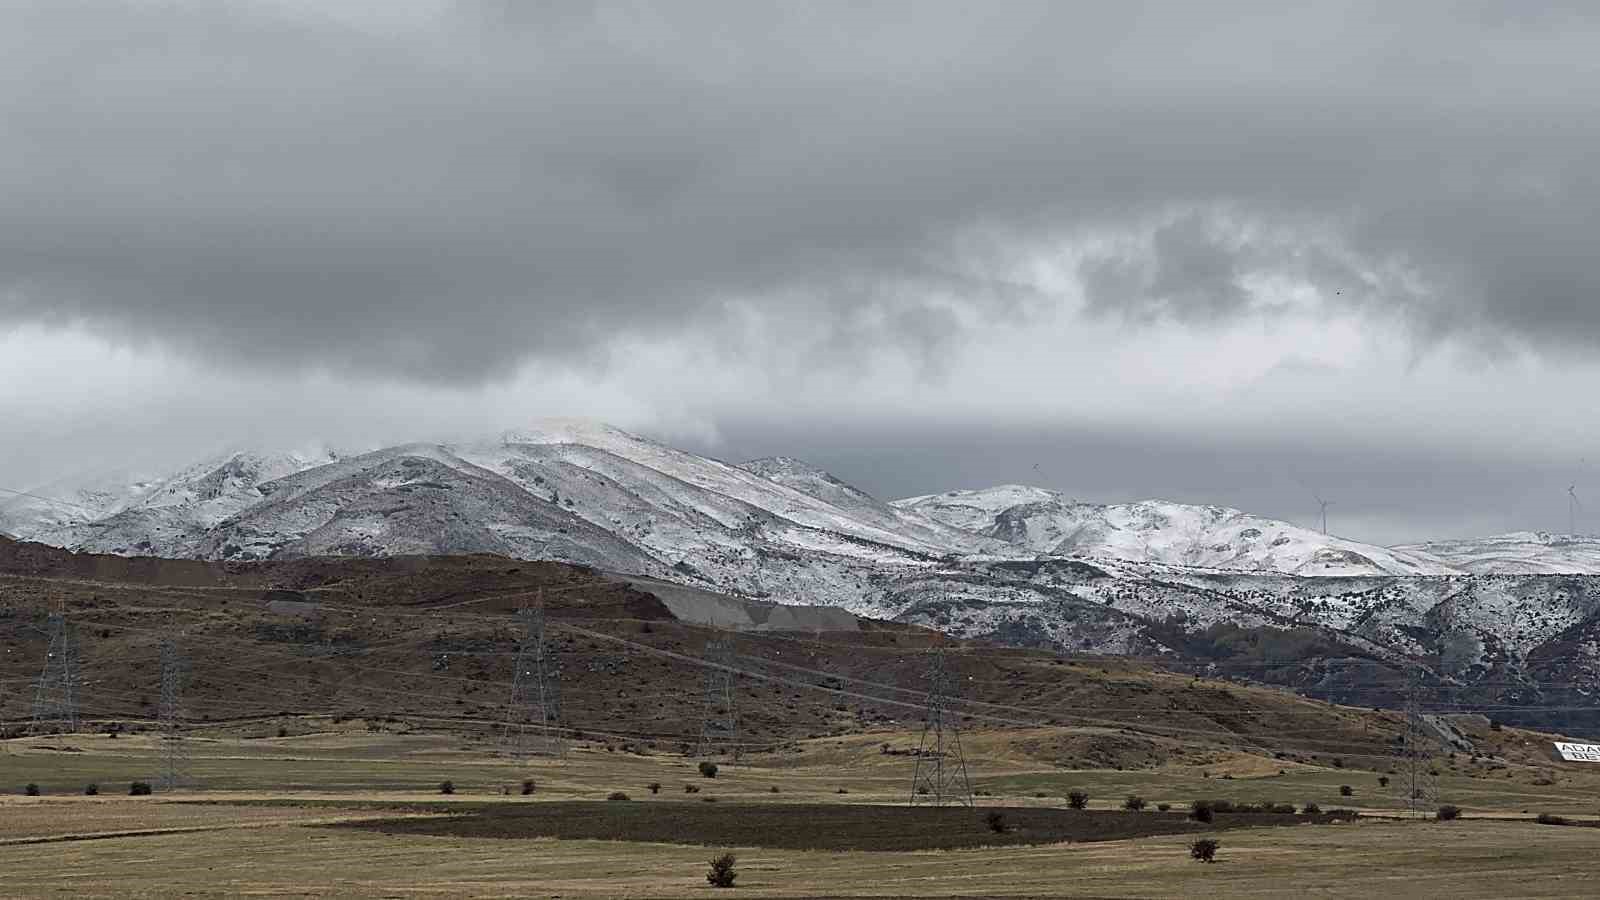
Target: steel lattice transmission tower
940 778
533 726
55 699
1416 751
719 723
176 764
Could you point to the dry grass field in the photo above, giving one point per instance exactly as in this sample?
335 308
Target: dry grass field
353 813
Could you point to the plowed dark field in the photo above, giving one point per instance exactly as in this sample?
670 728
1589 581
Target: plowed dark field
806 826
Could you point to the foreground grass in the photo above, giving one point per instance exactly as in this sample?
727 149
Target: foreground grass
1463 860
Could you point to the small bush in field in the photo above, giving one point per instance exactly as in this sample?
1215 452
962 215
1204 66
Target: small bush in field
1204 850
1383 781
139 789
691 789
653 787
1346 790
708 769
1312 809
617 795
722 873
1202 811
1548 819
996 820
32 790
1134 803
1447 813
447 787
528 787
1163 807
91 790
773 789
1078 800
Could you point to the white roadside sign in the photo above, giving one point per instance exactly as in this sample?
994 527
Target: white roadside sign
1579 752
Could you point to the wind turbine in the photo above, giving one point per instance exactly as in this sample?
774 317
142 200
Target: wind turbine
1325 504
1572 509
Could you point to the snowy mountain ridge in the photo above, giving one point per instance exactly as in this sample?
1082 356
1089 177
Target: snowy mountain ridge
1160 531
1013 563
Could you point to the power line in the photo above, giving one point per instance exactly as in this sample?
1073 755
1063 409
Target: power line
176 766
939 780
719 720
1416 759
534 722
55 699
80 507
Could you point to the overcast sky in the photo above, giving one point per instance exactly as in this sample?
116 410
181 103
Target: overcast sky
1215 252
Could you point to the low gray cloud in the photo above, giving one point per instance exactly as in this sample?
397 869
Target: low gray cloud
446 194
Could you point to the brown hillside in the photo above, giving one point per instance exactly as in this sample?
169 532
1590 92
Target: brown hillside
427 644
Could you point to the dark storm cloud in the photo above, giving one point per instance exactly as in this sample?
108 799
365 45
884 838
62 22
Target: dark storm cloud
444 196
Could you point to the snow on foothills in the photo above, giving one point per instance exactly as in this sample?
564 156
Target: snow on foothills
121 513
1518 553
1158 531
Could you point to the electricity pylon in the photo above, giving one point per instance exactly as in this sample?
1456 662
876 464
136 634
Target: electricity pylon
533 722
55 698
940 777
1416 757
719 722
176 764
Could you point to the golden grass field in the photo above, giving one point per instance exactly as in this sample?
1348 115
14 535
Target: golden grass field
64 843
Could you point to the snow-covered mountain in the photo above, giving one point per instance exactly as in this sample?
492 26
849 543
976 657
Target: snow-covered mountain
1046 522
164 515
1518 553
1201 584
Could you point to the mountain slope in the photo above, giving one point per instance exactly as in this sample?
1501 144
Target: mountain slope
1042 521
412 500
1518 553
163 516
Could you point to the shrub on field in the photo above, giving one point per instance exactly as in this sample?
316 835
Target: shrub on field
996 820
708 769
691 789
1311 809
1077 800
528 787
1346 790
1134 803
722 873
1548 819
1204 850
1448 812
654 787
32 790
1383 781
139 789
1163 807
91 790
618 795
1202 811
447 787
773 789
